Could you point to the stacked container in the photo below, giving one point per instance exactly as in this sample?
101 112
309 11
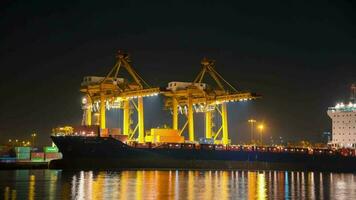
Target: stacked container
23 153
164 135
114 131
51 153
52 156
37 156
104 132
50 149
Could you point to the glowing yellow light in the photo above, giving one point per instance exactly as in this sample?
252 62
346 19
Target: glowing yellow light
31 193
84 100
261 186
261 127
252 121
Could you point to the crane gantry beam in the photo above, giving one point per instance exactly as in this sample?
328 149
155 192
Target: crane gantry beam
115 89
210 99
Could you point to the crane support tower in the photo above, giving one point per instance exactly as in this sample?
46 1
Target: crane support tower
196 96
115 92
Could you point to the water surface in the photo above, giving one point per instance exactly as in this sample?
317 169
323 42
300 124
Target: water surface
58 184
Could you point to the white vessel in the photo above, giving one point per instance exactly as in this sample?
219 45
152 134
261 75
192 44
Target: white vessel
343 117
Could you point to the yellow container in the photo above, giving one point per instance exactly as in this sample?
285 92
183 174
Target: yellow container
164 132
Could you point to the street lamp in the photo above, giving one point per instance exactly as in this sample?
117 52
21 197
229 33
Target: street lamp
261 128
251 122
33 136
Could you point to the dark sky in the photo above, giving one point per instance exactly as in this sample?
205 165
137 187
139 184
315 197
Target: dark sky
300 55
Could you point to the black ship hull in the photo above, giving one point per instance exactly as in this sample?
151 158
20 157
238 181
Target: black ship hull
109 153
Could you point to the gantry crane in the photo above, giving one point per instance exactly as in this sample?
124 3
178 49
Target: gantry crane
113 91
199 97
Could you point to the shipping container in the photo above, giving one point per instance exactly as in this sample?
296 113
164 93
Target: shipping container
23 149
50 149
114 131
176 139
104 132
37 160
23 156
52 156
37 156
164 132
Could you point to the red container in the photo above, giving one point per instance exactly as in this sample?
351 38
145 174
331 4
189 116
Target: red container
104 132
52 156
37 155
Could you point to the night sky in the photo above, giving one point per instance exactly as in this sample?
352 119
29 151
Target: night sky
301 56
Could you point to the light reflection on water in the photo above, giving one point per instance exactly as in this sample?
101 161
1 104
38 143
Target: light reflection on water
172 184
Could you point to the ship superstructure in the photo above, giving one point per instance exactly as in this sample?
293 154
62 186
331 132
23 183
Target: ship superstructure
343 116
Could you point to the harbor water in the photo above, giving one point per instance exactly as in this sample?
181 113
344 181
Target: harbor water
173 184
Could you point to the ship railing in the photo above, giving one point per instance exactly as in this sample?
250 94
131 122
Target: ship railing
249 148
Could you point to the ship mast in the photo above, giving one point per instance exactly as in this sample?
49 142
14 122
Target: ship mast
353 93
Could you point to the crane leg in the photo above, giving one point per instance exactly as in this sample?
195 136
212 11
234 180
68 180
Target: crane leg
88 116
175 114
190 119
126 117
225 136
208 124
141 130
102 112
88 112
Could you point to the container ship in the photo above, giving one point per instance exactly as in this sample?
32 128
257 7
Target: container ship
115 152
93 145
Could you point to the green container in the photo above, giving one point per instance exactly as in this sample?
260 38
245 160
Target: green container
50 149
22 149
37 160
23 156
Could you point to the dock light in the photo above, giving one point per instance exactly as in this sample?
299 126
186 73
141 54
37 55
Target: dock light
33 136
261 127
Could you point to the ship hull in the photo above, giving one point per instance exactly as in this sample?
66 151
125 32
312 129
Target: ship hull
108 153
